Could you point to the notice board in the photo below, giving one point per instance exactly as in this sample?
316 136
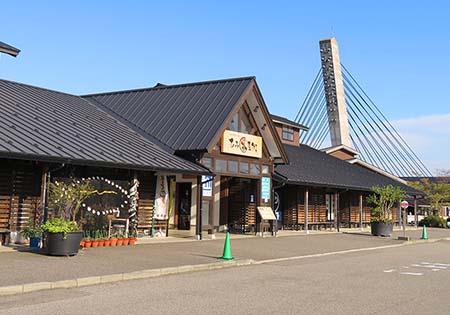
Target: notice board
266 213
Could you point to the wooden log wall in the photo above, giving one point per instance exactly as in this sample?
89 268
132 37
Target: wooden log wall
20 186
294 206
147 188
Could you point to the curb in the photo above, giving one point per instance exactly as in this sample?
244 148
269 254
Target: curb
134 275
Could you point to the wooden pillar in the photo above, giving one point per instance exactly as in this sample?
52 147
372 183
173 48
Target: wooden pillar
306 210
198 225
416 216
361 212
335 206
399 215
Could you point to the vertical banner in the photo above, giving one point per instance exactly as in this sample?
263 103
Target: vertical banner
265 189
161 199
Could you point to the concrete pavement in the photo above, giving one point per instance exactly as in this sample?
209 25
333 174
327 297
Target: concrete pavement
31 268
402 280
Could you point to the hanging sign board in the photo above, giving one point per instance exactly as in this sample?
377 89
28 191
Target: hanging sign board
266 213
207 186
404 204
265 188
241 144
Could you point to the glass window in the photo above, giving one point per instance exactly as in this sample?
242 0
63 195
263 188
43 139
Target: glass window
234 124
255 169
244 168
265 169
246 126
232 166
207 162
288 133
221 165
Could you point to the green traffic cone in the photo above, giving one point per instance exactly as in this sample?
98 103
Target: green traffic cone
227 249
424 233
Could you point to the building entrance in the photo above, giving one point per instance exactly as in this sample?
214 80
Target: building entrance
183 213
238 207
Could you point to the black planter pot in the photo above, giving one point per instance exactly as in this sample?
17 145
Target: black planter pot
57 245
381 228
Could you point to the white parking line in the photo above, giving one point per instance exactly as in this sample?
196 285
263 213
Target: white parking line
428 266
412 273
389 270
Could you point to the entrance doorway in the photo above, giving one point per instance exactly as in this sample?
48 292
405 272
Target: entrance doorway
242 199
183 213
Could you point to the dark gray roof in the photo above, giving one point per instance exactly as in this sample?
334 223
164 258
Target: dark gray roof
186 117
288 121
41 124
8 49
309 166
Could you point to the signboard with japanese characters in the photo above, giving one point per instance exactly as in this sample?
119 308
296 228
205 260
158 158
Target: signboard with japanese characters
241 144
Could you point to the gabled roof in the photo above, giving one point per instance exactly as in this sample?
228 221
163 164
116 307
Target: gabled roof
341 147
312 167
8 49
288 122
46 125
186 117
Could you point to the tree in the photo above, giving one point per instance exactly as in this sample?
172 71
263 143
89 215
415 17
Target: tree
384 198
66 198
436 192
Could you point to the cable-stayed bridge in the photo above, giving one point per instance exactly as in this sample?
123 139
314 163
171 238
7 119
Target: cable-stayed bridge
338 111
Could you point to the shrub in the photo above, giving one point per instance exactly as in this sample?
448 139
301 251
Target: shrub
58 225
433 221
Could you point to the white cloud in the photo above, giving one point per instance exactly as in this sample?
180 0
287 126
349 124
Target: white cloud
429 137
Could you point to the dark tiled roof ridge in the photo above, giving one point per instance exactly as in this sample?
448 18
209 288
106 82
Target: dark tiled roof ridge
161 86
287 120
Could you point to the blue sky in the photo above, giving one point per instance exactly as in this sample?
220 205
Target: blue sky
397 50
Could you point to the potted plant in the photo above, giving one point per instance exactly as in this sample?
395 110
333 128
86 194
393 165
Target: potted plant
132 237
120 240
114 240
383 199
66 200
107 241
62 237
33 232
95 238
87 240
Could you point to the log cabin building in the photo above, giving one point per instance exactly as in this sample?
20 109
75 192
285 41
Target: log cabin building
322 189
214 142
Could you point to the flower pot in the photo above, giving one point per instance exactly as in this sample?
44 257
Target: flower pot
101 243
126 241
119 241
95 243
381 228
132 240
107 243
63 244
113 241
88 244
34 242
82 243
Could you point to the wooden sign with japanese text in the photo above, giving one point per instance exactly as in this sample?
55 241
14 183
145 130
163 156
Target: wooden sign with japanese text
241 144
266 213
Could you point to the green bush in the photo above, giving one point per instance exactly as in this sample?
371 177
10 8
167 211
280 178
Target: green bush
433 221
58 225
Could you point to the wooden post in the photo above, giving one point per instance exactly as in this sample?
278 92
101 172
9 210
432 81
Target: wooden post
306 210
416 216
361 212
42 210
399 215
335 209
198 226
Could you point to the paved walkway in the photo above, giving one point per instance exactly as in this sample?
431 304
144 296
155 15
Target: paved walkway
19 267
